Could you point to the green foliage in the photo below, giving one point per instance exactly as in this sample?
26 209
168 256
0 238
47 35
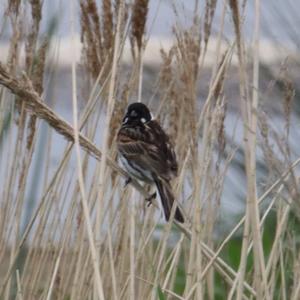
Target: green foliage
180 280
160 293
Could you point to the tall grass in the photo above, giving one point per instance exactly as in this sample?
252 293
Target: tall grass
69 229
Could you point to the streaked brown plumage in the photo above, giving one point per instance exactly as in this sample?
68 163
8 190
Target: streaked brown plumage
147 154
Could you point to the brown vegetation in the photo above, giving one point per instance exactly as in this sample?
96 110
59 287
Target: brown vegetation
88 237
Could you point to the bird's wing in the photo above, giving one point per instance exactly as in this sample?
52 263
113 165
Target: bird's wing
162 148
130 142
150 147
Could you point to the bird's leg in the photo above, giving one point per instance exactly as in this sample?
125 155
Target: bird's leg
149 199
127 181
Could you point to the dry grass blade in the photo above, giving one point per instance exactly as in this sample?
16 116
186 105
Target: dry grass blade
95 258
70 229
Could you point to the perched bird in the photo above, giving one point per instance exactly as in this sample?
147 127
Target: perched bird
147 154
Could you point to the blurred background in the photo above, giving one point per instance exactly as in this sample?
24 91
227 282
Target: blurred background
167 22
278 51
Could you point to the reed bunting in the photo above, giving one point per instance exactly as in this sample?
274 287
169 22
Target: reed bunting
147 154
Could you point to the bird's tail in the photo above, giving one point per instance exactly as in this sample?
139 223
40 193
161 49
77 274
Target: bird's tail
167 198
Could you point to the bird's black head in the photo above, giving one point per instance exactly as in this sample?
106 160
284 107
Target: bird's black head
137 112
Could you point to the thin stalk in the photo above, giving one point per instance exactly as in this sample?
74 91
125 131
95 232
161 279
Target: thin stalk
110 106
49 294
95 259
259 263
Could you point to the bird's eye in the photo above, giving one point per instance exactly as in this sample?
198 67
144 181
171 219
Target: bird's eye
143 120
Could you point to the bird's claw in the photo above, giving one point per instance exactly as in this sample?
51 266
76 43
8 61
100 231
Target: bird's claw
127 181
149 199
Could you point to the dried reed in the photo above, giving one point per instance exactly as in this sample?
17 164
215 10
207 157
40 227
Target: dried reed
70 230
